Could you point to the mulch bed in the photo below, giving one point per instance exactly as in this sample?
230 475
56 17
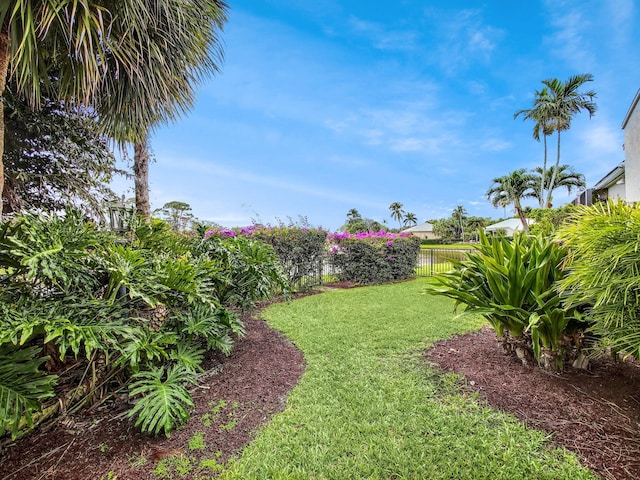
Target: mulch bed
593 413
254 382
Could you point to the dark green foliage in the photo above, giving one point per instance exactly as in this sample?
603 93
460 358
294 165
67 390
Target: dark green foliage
375 260
141 309
512 283
54 158
299 250
243 270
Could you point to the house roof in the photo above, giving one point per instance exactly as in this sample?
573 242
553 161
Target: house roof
423 228
631 108
610 178
509 224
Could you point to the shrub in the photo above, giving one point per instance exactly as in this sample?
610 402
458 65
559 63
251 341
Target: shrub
603 269
143 309
373 257
299 250
512 284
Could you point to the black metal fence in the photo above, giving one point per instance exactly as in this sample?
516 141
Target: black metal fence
429 262
432 261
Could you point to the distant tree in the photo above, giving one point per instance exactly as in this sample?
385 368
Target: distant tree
511 189
178 214
362 225
353 214
410 219
397 212
54 157
459 215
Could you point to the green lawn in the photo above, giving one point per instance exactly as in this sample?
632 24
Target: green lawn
368 407
451 245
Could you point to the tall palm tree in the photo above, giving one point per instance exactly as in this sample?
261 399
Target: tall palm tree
541 115
397 212
566 101
182 50
410 219
511 189
565 176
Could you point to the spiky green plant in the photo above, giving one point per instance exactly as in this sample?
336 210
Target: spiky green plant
512 284
604 269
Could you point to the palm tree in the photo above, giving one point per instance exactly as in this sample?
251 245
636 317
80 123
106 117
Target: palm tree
541 115
565 176
511 189
183 49
410 219
566 101
397 212
459 215
38 35
353 214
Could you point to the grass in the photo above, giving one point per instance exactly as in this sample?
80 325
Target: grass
450 245
368 406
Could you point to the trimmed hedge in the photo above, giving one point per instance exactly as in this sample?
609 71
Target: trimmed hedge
374 258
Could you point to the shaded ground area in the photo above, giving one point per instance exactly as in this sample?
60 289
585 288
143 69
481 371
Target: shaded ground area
593 413
240 393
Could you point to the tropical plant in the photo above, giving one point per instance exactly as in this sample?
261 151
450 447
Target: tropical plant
182 47
566 101
397 212
410 219
553 109
564 176
353 214
602 269
512 283
459 216
164 399
511 189
23 386
541 115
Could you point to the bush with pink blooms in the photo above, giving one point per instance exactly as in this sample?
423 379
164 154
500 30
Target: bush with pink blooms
373 257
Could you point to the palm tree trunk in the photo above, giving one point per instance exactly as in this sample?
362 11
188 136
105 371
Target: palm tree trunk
523 220
553 175
4 68
544 172
141 174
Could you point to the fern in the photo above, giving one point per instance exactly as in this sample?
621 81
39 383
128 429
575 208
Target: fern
22 386
164 398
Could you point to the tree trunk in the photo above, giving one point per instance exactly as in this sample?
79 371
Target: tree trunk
4 68
523 220
544 172
141 173
553 175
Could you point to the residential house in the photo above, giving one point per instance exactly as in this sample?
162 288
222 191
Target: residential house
422 231
623 182
508 226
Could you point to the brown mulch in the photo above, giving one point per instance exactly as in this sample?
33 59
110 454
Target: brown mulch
253 382
593 413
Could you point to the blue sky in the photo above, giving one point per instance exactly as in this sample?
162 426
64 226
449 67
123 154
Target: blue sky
330 105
